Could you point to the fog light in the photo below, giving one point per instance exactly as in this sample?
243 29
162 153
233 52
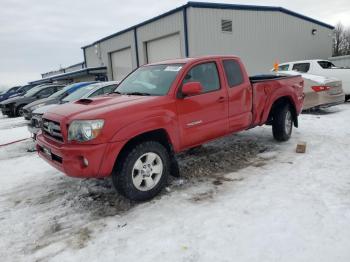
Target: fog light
85 161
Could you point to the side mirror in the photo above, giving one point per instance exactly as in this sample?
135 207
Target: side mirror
191 88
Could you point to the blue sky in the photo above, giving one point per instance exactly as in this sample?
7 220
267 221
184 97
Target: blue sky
39 35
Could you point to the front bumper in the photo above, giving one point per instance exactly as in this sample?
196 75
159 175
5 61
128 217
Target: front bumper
7 110
69 158
27 115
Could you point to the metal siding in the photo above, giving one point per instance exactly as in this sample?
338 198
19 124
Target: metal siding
343 61
91 57
258 37
121 63
165 26
105 48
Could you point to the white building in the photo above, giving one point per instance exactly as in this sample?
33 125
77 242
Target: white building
260 35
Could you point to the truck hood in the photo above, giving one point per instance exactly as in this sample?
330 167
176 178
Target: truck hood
96 107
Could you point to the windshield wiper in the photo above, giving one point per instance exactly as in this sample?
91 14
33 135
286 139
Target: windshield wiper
117 92
137 94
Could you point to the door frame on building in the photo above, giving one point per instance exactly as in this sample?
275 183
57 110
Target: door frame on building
146 42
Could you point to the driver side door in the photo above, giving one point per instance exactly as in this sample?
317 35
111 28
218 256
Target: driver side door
205 116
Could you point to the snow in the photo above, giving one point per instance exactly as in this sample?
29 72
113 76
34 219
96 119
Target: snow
269 204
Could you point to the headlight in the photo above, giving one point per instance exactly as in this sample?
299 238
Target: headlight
84 130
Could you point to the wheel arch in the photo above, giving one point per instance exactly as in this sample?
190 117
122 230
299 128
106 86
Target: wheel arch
159 135
277 104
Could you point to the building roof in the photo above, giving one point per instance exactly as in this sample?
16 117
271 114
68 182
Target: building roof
77 73
217 6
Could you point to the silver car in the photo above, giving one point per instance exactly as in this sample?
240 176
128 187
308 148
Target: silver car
93 90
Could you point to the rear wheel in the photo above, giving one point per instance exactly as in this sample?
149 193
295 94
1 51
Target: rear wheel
282 124
143 171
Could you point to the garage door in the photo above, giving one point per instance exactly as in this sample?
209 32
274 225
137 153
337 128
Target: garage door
163 48
121 63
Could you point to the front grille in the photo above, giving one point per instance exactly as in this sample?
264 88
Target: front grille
52 129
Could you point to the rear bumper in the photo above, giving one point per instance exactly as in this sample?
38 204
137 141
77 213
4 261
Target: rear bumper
322 100
69 158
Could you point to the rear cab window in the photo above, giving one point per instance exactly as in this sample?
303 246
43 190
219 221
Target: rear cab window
301 67
326 64
233 72
283 67
207 74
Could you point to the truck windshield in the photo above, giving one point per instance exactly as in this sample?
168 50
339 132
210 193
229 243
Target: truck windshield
150 80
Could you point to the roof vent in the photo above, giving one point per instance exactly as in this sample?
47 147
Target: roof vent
226 25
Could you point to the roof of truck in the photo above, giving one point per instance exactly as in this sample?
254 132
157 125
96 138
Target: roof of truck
191 59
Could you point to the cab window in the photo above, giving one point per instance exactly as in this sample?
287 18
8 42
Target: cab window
206 74
301 67
233 72
283 67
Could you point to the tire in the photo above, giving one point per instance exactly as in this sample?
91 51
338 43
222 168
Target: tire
347 98
133 175
19 110
282 124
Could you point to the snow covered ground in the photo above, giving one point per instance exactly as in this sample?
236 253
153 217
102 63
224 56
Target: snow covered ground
242 198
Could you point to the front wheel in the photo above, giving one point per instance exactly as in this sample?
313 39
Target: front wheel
282 124
143 171
19 111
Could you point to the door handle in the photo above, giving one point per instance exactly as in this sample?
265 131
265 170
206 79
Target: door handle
221 99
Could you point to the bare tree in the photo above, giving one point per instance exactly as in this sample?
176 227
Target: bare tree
338 39
347 42
341 40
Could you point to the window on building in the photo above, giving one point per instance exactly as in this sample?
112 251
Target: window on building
206 74
226 25
301 67
233 73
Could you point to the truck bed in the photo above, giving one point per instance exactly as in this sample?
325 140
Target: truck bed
266 88
265 77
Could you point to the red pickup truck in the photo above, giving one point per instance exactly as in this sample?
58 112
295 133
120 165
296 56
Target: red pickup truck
161 109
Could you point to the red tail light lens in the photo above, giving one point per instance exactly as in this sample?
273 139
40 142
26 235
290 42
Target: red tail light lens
320 88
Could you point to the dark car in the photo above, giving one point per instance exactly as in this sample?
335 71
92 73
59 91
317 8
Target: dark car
14 106
23 90
53 99
5 95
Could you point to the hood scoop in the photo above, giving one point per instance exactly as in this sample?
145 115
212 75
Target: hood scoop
84 101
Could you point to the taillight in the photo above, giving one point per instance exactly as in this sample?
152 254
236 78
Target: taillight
320 88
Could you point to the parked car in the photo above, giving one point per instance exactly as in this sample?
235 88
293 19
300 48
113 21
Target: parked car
6 94
53 99
21 91
320 91
85 92
14 106
161 109
320 68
